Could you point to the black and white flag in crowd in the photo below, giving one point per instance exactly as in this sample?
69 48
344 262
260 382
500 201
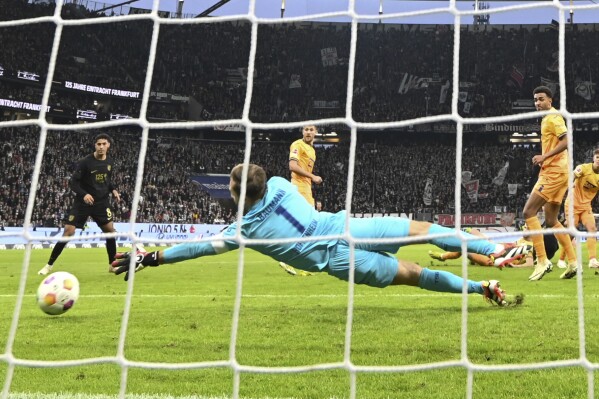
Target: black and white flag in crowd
409 81
427 197
585 90
329 56
295 81
498 180
443 93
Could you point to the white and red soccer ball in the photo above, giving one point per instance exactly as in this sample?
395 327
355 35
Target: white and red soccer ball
58 293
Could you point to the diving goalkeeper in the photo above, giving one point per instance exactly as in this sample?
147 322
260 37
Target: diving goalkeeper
274 209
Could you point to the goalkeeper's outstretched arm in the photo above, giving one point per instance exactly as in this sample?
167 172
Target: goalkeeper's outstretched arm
174 254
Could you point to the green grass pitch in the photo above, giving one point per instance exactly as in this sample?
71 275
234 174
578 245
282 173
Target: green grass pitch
183 313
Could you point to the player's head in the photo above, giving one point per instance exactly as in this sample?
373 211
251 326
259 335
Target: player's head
596 158
543 98
318 206
102 143
256 184
309 132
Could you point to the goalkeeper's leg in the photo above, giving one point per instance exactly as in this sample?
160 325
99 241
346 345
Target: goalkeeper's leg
410 273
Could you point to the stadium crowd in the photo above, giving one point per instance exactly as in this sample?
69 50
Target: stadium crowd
389 176
301 69
301 72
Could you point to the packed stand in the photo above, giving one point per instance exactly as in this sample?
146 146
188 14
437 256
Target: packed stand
389 177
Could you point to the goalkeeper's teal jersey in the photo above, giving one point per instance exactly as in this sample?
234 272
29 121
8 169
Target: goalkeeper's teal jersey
284 214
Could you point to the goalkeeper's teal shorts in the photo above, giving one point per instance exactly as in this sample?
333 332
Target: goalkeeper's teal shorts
374 265
376 269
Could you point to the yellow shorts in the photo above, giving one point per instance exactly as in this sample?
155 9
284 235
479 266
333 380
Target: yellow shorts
552 188
307 194
580 215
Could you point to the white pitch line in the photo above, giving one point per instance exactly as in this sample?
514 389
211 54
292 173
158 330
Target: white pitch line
100 396
277 296
38 395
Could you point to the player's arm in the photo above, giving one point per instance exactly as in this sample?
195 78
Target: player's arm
561 146
294 167
174 254
75 183
578 172
113 190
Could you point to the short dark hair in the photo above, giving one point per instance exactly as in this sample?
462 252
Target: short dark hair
256 181
103 136
543 89
596 151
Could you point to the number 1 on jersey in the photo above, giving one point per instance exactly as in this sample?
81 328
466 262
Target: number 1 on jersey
289 217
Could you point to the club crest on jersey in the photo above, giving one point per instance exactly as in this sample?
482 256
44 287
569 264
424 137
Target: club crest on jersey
109 167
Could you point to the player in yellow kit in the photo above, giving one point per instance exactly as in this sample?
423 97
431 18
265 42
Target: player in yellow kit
302 158
551 186
586 185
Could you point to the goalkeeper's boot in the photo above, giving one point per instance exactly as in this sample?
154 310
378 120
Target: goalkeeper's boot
562 264
45 270
511 253
288 269
570 271
593 263
436 255
493 292
541 269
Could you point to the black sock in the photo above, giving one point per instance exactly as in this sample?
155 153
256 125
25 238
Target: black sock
111 249
56 251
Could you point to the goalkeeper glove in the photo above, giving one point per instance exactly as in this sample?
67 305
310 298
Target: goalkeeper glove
142 259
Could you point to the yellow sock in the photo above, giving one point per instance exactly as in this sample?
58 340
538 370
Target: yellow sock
566 243
562 253
592 246
534 226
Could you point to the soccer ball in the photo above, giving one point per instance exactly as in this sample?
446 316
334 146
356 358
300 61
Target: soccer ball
58 293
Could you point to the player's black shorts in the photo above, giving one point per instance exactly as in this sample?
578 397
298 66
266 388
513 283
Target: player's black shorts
100 211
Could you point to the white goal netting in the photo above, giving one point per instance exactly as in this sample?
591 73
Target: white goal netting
456 117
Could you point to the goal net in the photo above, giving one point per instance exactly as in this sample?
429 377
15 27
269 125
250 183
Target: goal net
431 121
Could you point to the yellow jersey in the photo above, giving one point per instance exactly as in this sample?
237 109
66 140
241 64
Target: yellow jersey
305 156
586 185
553 127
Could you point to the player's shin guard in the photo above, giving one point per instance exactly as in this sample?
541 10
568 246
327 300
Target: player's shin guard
442 281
